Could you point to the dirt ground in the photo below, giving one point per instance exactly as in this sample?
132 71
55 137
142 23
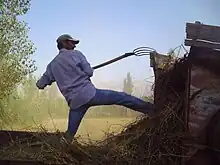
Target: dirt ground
92 128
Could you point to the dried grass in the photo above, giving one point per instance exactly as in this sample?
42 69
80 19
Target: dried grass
155 141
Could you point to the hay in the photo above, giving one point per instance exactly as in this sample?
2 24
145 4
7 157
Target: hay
148 141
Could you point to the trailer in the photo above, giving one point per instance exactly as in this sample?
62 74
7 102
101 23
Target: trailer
202 101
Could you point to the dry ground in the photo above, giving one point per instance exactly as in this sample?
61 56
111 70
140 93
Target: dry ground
92 128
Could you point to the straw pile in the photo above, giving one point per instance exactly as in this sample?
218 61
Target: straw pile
155 141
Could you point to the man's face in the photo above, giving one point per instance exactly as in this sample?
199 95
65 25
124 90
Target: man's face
68 44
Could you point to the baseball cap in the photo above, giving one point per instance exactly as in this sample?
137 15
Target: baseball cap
67 37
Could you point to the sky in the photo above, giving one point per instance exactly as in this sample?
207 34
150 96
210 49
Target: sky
107 29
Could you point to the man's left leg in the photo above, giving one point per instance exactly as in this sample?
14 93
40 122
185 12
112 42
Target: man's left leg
75 118
110 97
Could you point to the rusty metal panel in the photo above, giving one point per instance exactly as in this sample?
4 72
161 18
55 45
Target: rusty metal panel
201 31
204 92
201 35
200 43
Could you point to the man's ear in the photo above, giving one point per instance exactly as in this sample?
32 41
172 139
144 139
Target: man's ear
60 45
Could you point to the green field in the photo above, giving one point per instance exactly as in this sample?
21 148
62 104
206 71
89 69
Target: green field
92 128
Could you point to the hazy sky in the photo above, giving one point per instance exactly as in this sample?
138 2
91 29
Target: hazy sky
107 29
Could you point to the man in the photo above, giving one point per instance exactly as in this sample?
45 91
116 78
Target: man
71 71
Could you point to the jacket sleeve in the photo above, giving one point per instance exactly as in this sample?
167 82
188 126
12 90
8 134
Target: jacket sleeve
85 66
46 79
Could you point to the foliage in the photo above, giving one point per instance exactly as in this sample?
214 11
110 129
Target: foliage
15 7
15 50
128 88
128 84
32 106
29 106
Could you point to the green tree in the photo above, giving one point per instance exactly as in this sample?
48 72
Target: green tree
128 84
128 88
15 49
33 106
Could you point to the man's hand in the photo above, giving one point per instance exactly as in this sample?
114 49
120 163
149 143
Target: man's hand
39 86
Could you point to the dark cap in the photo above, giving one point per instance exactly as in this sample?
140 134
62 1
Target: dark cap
65 37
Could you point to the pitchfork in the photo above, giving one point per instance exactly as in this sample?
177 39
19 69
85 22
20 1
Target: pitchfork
141 51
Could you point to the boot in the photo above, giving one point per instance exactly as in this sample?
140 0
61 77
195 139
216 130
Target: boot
67 138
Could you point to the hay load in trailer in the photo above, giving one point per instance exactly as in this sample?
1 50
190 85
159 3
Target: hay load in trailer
163 140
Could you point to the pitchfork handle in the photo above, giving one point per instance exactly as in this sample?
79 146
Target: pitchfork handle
113 60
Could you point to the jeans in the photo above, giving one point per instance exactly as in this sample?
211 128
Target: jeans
107 97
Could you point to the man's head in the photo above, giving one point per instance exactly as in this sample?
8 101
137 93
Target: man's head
67 42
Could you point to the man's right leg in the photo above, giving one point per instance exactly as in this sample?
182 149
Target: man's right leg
75 118
110 97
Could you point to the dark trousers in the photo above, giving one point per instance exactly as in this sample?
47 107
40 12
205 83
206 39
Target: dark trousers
107 97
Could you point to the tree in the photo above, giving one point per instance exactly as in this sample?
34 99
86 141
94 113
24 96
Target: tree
15 48
128 88
128 84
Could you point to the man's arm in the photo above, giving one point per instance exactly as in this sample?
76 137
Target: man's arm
46 79
85 66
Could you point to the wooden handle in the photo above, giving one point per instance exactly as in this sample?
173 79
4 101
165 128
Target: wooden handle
113 60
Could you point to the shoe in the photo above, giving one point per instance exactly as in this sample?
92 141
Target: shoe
67 138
